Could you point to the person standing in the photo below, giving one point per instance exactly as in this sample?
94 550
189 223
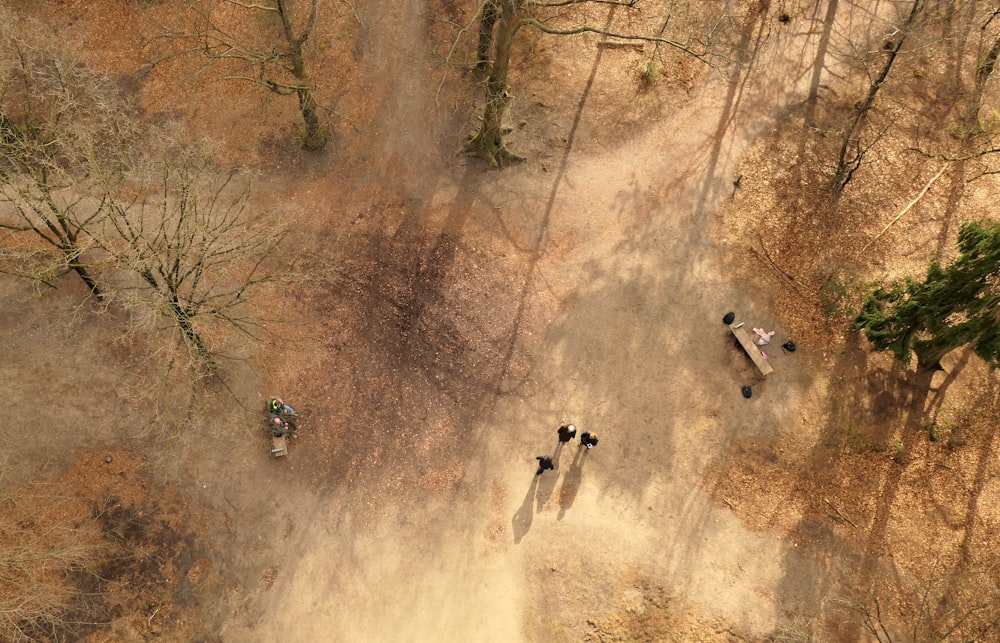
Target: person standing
566 432
544 462
588 439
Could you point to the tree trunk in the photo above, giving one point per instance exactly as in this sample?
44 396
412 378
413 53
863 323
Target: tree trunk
191 336
983 72
181 317
930 361
85 275
486 25
9 133
488 143
314 136
67 245
847 166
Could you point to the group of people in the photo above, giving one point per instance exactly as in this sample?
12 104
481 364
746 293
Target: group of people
566 433
282 421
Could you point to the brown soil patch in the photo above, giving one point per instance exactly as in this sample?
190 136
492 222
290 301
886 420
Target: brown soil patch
116 554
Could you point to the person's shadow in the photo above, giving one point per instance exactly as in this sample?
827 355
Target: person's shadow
521 522
571 481
547 484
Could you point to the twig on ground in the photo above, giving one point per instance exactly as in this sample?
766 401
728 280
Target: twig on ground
840 515
909 205
792 280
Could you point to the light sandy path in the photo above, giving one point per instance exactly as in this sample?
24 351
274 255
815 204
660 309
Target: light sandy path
636 352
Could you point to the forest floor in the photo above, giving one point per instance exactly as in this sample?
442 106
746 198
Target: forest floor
452 317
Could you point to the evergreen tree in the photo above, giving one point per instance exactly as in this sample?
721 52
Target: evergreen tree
954 306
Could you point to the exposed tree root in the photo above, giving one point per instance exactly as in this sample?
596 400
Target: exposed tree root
495 153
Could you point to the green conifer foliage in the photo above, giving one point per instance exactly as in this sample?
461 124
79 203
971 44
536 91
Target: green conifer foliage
954 306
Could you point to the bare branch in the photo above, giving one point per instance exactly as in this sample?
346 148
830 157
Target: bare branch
247 5
192 240
534 22
566 3
68 134
269 60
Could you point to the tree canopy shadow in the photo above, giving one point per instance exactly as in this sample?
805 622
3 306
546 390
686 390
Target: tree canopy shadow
876 409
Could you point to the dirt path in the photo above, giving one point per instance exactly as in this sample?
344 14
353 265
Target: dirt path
478 311
618 241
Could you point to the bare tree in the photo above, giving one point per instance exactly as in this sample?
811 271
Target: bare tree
972 138
947 604
979 135
199 252
851 151
501 20
276 61
40 556
64 134
488 143
487 23
984 70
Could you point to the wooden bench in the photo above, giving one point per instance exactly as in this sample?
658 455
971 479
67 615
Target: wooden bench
279 446
750 347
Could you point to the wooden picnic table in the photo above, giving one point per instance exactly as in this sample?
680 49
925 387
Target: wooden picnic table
751 348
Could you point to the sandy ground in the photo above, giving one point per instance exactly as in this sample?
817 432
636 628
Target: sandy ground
616 241
590 284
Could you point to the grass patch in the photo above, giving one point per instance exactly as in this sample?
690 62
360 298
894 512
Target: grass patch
649 74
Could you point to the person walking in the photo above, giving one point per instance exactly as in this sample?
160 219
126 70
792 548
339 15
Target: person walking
566 432
588 439
544 462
